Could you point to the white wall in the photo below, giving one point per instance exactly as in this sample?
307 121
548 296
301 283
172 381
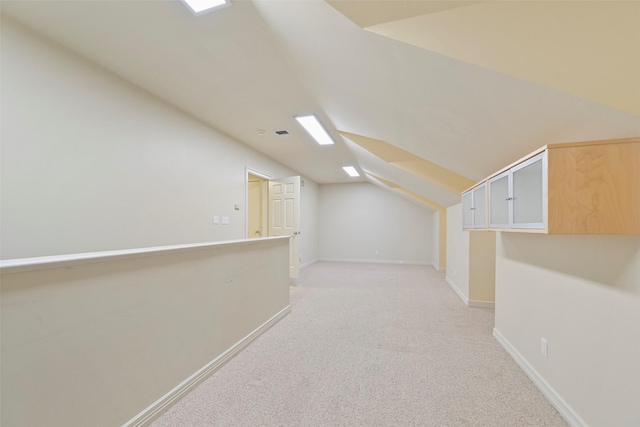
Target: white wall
92 163
356 220
309 222
435 231
581 293
95 342
457 252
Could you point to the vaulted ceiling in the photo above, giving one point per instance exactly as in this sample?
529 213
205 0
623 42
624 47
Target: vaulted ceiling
423 96
590 49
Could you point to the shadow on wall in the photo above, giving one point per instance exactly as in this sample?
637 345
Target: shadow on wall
610 260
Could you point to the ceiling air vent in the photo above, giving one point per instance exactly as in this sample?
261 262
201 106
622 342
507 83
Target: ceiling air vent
282 132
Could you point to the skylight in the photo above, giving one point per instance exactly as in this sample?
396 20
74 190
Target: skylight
200 6
315 129
351 171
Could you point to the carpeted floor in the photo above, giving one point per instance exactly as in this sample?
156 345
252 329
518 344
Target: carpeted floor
370 345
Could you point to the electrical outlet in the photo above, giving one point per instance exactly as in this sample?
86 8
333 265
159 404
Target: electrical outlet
544 347
377 252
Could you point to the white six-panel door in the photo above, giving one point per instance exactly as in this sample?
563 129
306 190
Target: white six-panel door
284 216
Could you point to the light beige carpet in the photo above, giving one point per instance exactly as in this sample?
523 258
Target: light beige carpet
370 345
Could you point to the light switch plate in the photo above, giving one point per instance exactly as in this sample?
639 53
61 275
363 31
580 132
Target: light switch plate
216 219
225 220
544 347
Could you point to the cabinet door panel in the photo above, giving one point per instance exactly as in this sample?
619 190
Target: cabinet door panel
467 210
528 193
480 207
499 204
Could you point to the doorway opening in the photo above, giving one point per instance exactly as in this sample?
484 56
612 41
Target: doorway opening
273 209
257 199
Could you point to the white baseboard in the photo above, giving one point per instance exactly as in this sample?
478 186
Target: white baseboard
436 268
481 304
570 416
467 301
145 417
308 263
457 291
375 261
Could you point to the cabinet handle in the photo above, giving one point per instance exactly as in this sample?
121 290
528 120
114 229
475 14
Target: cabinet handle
509 198
472 209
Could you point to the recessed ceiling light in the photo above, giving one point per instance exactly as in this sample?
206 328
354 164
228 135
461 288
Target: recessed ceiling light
315 129
351 171
199 6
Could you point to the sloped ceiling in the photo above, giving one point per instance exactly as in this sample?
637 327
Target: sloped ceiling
590 49
224 68
369 13
411 163
416 197
254 65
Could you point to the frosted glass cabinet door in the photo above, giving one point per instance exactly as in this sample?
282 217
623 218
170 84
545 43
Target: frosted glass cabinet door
499 201
480 206
467 210
529 193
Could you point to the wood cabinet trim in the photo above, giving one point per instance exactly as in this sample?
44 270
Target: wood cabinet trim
600 142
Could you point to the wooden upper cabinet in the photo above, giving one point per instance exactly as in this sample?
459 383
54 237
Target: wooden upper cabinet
594 188
576 188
